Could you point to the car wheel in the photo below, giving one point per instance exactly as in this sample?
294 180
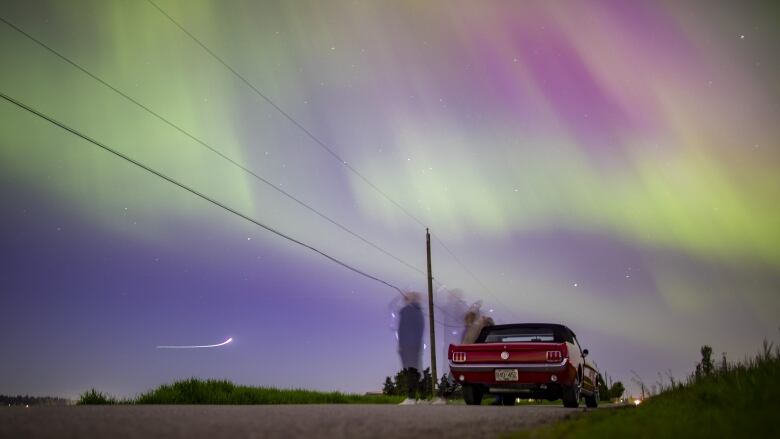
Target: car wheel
592 401
571 394
472 394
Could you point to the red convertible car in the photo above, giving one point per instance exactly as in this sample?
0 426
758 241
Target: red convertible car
525 360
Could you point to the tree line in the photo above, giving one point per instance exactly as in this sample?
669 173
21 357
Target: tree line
7 400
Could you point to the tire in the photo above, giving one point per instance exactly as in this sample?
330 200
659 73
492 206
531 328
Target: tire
472 394
592 401
571 394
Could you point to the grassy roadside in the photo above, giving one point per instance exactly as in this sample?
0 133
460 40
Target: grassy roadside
195 391
738 400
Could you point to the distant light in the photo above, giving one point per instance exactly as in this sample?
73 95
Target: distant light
637 401
27 405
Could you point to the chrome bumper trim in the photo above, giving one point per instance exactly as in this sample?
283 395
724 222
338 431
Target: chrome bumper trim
521 367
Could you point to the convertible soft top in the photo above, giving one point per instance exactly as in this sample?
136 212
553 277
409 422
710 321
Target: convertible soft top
561 333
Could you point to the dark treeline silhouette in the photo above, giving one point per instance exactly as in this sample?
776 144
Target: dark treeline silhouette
6 400
609 391
399 385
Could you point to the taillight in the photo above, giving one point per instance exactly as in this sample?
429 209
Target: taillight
458 357
554 356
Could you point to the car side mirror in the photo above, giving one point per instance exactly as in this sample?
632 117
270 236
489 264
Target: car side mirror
585 353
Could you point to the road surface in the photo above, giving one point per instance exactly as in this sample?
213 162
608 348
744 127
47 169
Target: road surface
273 421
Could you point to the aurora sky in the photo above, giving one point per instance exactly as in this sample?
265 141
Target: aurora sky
610 165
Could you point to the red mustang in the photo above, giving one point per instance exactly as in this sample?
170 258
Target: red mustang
525 360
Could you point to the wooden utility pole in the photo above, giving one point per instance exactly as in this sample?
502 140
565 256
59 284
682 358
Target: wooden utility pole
434 377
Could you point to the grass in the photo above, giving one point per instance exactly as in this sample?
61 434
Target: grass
738 400
93 397
196 391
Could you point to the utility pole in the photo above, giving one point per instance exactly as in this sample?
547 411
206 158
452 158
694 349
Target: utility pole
434 377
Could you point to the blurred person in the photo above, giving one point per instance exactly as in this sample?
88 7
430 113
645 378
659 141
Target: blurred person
410 339
470 322
473 331
454 315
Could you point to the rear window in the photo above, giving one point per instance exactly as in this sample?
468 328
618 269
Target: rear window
521 335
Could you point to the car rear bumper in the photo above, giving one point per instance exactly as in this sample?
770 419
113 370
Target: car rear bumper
521 367
530 375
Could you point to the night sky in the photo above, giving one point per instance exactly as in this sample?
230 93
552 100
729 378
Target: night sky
612 166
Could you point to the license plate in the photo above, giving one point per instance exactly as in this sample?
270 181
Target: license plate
506 375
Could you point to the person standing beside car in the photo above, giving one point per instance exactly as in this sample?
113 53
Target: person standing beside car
410 335
474 322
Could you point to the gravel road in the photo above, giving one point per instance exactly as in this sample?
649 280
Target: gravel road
273 421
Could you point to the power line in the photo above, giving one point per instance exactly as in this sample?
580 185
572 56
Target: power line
194 191
203 196
289 117
314 138
206 145
211 148
249 171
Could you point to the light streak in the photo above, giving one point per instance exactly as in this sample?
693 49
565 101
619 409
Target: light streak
198 347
